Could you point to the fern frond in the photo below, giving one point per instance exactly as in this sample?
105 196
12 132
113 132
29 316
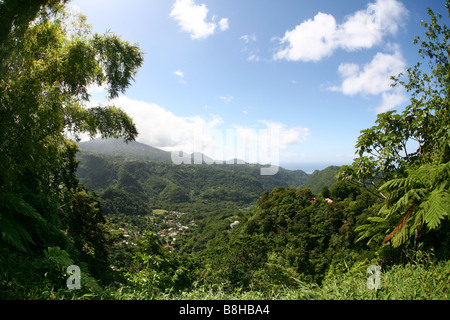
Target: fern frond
14 234
401 235
15 205
58 256
371 231
376 219
436 208
400 231
13 212
424 197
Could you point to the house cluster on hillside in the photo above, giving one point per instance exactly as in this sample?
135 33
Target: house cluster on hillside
128 238
168 228
171 228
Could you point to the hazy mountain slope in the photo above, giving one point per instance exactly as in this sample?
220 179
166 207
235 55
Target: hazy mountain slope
117 147
140 151
161 184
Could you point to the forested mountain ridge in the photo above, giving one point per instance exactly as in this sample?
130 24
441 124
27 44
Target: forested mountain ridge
134 180
116 148
140 151
163 184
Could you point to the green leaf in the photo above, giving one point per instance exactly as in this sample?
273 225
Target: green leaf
58 256
13 214
436 208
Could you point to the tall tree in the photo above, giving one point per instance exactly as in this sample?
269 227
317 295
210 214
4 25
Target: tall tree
15 15
48 60
414 183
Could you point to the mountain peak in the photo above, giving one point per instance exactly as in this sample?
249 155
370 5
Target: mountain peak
118 147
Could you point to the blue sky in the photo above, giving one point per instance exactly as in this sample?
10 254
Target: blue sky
315 72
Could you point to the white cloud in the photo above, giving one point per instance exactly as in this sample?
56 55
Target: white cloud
391 101
254 58
310 41
386 14
284 136
226 99
162 129
288 136
249 48
374 79
359 31
317 38
248 37
179 73
95 88
192 18
264 144
223 24
246 109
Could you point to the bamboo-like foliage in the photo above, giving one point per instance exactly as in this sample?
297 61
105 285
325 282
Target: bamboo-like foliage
49 58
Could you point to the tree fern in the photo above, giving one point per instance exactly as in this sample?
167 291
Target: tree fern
435 208
16 217
419 200
375 231
422 198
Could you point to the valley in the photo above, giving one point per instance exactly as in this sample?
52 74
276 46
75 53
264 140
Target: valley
138 182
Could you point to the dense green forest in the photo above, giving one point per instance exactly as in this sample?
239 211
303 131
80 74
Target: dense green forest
212 195
140 227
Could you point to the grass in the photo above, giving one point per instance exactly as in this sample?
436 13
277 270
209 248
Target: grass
413 281
421 279
159 211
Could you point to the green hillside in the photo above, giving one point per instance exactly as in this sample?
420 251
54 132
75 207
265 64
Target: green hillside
320 178
133 183
117 148
163 184
139 151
